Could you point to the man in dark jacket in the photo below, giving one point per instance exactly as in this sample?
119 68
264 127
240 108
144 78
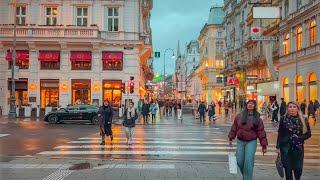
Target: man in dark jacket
283 107
303 106
202 111
145 111
105 114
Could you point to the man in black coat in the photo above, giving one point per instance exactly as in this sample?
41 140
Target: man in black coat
283 107
105 115
202 111
145 111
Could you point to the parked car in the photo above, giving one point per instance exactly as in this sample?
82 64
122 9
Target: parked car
74 113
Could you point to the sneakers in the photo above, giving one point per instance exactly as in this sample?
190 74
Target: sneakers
102 143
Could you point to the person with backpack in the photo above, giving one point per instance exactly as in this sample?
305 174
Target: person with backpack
105 115
275 110
153 111
129 121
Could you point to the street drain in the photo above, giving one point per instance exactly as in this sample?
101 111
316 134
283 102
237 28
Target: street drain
81 166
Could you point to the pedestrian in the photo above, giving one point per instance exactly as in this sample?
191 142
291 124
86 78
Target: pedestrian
161 108
275 110
226 108
219 104
311 109
303 106
179 110
130 116
202 111
248 127
105 115
211 111
145 111
316 109
140 103
153 111
283 107
174 105
167 107
235 105
293 130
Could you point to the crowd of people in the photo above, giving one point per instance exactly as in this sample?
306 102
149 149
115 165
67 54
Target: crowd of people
247 128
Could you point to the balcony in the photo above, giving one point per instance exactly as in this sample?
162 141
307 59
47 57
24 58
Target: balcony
50 31
303 53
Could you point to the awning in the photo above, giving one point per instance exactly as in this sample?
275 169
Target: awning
84 56
112 56
21 55
49 56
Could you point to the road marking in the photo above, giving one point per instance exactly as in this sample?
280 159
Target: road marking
33 166
58 175
148 139
150 142
3 135
136 166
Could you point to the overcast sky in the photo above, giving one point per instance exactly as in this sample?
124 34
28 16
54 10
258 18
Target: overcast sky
173 20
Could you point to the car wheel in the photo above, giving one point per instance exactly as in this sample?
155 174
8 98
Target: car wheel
95 120
53 119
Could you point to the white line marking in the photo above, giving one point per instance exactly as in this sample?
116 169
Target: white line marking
33 166
148 139
136 166
3 135
149 142
58 175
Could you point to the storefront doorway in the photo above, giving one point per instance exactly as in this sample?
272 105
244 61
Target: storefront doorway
49 93
81 91
112 92
21 91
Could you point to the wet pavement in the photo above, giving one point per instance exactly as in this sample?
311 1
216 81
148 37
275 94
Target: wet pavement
27 142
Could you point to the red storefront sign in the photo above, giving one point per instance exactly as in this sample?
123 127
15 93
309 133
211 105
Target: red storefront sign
21 55
81 56
49 56
112 56
230 81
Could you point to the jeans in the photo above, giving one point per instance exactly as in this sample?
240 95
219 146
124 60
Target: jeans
129 133
202 117
179 113
245 154
153 117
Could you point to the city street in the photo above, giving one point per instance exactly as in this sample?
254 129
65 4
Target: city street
169 149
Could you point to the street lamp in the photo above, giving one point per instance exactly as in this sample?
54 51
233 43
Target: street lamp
164 67
12 112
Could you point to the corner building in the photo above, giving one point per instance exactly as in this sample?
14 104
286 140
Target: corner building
78 51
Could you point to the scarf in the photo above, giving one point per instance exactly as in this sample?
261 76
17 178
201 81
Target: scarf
295 126
131 113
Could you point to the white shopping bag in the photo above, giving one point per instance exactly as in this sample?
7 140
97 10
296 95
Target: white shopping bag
233 168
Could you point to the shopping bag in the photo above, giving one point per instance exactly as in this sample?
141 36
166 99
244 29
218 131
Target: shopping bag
279 166
233 168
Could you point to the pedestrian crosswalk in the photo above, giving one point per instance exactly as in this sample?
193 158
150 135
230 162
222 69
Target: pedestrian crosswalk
187 143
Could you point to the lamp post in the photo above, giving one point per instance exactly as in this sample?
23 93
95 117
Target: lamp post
12 113
164 68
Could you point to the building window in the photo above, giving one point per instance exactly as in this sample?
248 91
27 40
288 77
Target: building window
219 34
285 90
49 60
299 89
80 60
49 93
82 16
21 15
299 3
219 78
49 65
113 19
22 59
313 89
286 44
21 91
286 8
299 38
81 65
313 32
112 92
51 16
81 91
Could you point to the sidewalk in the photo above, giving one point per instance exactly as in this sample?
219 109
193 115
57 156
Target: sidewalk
71 169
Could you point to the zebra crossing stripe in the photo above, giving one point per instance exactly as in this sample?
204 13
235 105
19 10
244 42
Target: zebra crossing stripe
58 175
148 139
3 135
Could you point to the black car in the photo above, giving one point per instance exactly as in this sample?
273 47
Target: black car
74 113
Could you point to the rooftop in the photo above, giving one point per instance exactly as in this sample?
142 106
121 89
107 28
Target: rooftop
216 15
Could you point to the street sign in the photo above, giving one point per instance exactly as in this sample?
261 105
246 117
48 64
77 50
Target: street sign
157 54
265 38
266 13
255 31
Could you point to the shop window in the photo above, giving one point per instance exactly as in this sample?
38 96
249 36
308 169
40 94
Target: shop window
299 38
81 65
313 32
50 65
285 91
49 93
20 64
112 60
81 91
80 60
21 91
112 92
286 44
299 89
313 88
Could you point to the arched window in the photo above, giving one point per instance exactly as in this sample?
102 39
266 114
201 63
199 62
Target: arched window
313 32
299 88
285 89
313 89
299 38
286 44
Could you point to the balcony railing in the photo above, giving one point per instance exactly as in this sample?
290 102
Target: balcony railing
50 31
313 50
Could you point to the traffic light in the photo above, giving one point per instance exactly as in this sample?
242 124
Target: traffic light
123 88
131 85
157 54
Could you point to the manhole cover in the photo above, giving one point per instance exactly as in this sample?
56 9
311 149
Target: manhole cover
80 166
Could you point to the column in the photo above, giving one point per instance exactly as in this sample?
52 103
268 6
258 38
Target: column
96 81
34 82
64 81
3 78
305 34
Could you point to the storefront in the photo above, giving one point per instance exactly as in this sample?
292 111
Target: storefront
313 87
112 92
267 92
251 92
49 93
299 89
81 91
286 89
21 91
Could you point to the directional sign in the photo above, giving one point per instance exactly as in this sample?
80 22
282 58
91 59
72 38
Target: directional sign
265 38
157 54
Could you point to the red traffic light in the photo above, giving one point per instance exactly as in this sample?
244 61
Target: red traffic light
131 85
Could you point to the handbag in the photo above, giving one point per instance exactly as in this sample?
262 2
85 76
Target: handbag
233 168
279 166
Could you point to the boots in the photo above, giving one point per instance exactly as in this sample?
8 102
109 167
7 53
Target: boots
111 137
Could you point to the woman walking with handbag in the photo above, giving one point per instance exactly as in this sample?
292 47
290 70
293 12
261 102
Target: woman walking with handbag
130 116
293 130
105 114
247 127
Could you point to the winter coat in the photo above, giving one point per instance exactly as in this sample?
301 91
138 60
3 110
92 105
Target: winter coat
105 115
145 109
129 122
248 131
311 108
283 108
211 110
202 108
153 109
